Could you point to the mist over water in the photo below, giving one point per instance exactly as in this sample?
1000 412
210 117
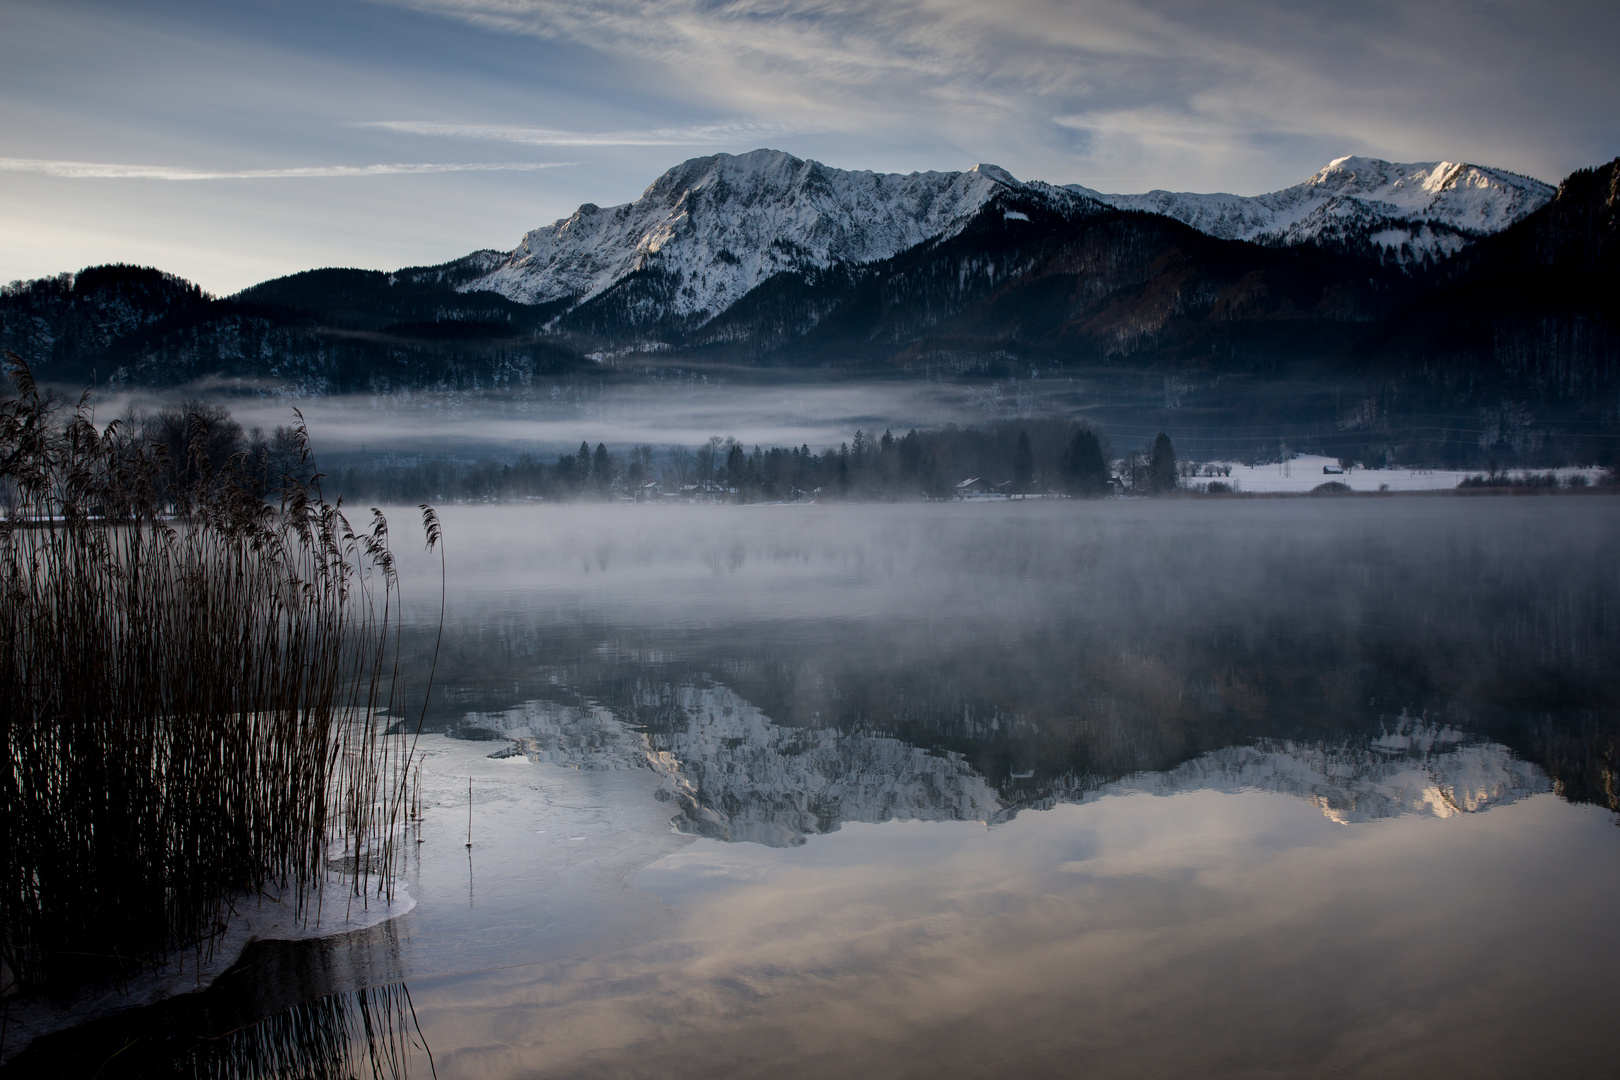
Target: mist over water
1174 787
1444 595
674 407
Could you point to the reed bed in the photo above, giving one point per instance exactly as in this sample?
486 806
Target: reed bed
195 685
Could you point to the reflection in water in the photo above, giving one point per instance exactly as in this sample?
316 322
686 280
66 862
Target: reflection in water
363 1033
734 775
1204 935
1044 649
253 1023
1197 698
1427 770
1154 789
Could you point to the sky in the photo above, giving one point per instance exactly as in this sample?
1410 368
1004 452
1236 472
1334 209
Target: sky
231 143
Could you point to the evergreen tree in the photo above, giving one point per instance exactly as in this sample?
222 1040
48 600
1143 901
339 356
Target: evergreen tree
567 472
602 469
1084 467
910 456
1162 465
1023 464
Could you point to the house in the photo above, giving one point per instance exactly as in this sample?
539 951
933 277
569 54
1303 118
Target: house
974 486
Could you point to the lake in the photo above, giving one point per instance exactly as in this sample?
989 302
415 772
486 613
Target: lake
1269 787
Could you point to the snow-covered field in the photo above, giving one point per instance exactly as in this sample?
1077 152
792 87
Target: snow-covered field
1305 472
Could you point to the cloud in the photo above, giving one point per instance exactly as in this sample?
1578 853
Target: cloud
1235 86
90 170
689 135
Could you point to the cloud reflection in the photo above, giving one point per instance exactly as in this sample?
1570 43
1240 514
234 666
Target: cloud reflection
1204 935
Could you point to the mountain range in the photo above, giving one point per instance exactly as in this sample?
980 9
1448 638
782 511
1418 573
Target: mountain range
714 229
1409 212
1372 294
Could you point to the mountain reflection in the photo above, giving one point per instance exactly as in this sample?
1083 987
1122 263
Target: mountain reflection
733 774
1430 771
790 671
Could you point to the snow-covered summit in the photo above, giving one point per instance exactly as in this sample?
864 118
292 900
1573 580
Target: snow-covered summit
723 224
710 230
1428 208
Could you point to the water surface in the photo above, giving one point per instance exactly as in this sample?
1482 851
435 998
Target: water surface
1248 788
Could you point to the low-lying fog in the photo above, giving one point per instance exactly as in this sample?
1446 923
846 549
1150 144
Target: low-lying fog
1133 633
945 568
552 418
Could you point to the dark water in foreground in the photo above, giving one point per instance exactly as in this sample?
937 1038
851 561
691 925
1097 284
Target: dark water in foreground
1174 789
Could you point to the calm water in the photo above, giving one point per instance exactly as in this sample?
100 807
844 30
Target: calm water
1257 788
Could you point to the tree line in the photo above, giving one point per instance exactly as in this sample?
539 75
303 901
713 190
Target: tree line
1031 458
1034 457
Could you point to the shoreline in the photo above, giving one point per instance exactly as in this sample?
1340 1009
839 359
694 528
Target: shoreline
189 970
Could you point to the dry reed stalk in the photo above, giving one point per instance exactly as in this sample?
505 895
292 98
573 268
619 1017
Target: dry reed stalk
194 687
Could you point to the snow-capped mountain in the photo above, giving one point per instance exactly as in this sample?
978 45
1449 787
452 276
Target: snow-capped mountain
719 226
767 258
1428 209
711 230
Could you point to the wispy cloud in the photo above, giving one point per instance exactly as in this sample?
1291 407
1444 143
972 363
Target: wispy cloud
1227 87
688 135
93 170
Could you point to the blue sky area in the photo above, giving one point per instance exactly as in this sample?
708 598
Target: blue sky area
234 142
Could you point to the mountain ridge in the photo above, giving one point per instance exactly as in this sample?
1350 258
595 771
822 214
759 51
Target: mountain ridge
727 223
1423 210
715 228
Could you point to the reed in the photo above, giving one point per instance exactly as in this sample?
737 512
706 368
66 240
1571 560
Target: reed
194 690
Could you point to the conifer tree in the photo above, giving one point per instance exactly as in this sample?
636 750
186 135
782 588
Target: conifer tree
1084 468
1023 464
1162 465
602 468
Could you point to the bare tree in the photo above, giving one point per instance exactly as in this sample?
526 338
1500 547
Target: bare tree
707 455
680 459
195 435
